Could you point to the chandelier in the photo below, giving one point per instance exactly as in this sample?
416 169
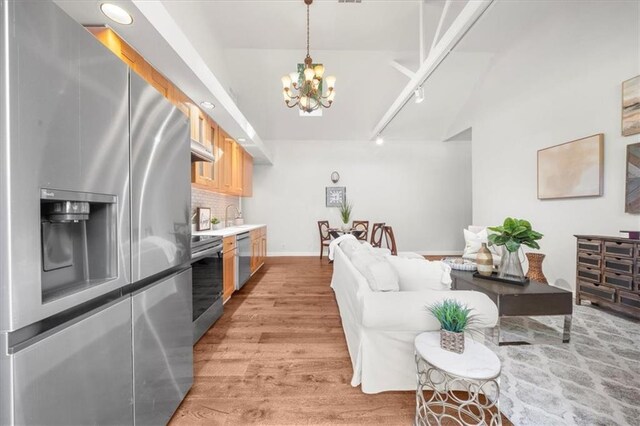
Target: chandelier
304 87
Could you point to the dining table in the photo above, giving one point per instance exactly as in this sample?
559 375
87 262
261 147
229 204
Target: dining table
336 232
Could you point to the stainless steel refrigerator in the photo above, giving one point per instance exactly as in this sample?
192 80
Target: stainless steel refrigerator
95 296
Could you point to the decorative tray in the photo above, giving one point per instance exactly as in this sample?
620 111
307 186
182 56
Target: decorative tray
460 265
494 277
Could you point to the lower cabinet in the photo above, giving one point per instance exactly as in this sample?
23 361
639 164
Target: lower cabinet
229 267
258 248
162 348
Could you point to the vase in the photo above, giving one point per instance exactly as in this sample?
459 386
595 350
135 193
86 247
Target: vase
451 341
484 261
346 227
535 267
510 266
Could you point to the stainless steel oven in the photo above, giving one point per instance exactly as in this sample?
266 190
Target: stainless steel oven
206 263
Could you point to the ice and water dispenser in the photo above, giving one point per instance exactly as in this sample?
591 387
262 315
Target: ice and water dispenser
78 241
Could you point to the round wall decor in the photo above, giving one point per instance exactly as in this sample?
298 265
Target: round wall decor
335 177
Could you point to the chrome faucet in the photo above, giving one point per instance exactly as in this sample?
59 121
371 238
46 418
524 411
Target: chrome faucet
226 213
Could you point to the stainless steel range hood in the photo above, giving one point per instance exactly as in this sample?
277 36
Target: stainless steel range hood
200 153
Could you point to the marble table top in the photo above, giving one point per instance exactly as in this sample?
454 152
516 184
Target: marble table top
476 362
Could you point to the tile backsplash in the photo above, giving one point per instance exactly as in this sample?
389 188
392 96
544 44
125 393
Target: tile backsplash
216 202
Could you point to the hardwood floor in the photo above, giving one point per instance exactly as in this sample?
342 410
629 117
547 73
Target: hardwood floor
278 357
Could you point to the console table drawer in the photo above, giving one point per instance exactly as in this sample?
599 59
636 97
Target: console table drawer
586 244
620 265
618 249
631 300
618 280
589 259
589 274
599 291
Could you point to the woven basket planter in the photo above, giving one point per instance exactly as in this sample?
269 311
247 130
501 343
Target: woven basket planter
450 341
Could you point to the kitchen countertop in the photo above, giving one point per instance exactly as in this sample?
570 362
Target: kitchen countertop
229 231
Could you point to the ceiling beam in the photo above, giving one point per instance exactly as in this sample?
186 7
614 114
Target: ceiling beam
436 37
404 70
421 30
465 20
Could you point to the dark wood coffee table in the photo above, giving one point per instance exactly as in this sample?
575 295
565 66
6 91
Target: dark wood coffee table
532 299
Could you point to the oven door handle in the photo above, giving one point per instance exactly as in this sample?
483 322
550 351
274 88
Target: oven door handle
206 253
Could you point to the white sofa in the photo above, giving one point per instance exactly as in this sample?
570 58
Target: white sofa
380 327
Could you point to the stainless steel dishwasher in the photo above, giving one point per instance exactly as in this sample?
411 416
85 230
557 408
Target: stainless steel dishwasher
243 243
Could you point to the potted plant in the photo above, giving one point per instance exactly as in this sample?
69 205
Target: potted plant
216 223
511 235
454 318
345 214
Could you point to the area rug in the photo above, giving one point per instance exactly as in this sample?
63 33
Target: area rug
593 380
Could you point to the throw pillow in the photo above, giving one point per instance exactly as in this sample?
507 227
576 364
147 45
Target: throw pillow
349 247
419 274
378 251
473 242
376 270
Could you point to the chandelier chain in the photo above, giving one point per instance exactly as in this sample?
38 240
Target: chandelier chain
307 30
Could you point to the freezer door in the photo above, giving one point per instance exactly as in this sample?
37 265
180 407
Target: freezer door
162 348
160 182
68 130
80 375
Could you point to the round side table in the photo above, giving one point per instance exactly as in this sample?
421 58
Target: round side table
465 386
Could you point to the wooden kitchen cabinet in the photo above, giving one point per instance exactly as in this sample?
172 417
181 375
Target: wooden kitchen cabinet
205 175
247 174
258 248
229 252
226 162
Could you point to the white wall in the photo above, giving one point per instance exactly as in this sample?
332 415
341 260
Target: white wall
422 189
559 83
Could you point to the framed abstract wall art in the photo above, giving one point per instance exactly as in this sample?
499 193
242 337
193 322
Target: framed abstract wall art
335 195
631 106
632 193
572 169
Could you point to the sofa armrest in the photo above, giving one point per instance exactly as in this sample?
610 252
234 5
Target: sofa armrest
407 310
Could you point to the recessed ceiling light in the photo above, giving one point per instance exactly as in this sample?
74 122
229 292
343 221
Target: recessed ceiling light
419 95
207 105
242 140
379 140
116 13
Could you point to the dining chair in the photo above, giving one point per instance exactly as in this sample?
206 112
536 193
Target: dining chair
361 225
325 237
376 234
390 239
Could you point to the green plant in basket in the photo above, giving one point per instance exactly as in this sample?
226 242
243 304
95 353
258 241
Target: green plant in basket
513 233
345 211
452 315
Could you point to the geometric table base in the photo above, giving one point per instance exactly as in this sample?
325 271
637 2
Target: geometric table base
479 406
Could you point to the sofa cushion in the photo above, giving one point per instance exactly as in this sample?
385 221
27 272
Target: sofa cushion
380 251
379 274
418 274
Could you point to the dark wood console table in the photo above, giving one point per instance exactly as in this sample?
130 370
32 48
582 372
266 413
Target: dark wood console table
531 299
608 273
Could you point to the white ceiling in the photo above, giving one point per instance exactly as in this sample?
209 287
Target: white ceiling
263 40
249 44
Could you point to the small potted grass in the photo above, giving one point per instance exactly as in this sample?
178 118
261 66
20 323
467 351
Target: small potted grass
454 318
216 223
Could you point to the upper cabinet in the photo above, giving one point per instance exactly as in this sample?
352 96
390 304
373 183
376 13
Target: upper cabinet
231 172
